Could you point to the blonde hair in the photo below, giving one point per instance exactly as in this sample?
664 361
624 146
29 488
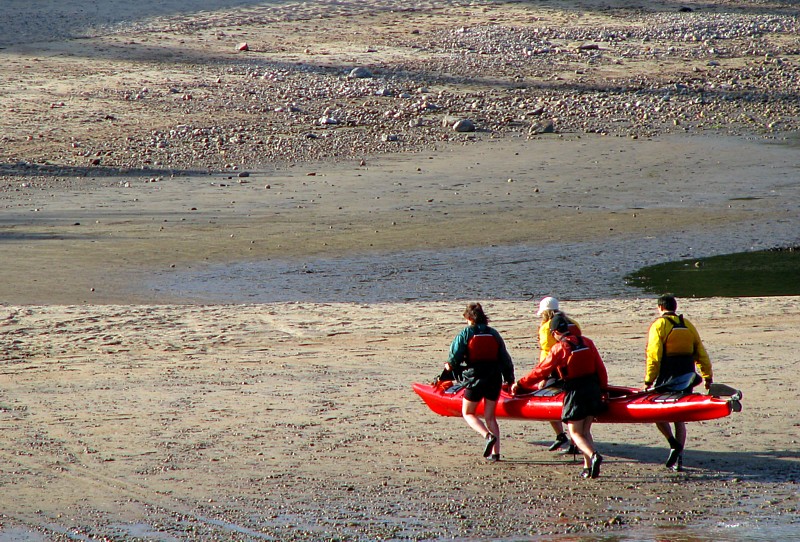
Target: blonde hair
548 315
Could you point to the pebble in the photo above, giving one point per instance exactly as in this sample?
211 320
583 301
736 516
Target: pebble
753 96
464 125
360 73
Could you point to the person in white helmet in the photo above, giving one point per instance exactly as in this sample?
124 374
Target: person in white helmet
548 308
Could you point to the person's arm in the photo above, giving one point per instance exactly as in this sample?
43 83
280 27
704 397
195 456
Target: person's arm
507 364
701 359
602 374
458 349
541 371
654 351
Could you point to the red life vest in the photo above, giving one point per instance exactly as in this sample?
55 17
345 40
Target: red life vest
482 347
580 359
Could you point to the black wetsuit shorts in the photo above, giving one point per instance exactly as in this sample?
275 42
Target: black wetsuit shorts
487 387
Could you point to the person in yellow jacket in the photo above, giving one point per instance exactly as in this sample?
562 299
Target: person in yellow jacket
674 350
548 308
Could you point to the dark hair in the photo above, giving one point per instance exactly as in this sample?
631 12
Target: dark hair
474 312
668 302
559 323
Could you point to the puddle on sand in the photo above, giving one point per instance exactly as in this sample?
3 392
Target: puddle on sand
761 273
749 531
21 534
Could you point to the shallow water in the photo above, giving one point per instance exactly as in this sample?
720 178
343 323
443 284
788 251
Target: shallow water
747 274
569 271
757 529
763 530
74 19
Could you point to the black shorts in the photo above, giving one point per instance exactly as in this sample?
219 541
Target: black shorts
484 388
584 398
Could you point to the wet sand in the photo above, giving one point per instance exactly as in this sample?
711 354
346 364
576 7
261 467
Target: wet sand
567 214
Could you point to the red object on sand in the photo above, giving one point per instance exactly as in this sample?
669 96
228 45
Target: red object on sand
625 405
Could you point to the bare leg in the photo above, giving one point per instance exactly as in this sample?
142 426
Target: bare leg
676 443
678 438
561 436
557 426
580 431
489 408
680 433
665 429
468 409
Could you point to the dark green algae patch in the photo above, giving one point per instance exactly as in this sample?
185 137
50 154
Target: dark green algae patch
773 272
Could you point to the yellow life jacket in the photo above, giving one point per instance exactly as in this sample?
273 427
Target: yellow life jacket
679 340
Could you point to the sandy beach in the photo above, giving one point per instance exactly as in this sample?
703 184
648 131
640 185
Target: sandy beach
224 265
297 422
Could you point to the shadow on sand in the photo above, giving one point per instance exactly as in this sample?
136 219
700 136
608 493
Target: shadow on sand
779 466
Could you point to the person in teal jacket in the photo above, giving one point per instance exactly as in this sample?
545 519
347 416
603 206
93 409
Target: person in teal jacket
480 361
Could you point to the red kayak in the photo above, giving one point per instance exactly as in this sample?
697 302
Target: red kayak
625 405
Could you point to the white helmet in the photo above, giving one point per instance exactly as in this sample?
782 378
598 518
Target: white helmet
547 304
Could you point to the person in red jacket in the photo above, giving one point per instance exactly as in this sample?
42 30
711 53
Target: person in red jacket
577 361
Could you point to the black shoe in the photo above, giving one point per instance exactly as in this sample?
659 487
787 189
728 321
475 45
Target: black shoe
594 469
586 472
494 458
678 466
561 440
491 440
673 457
